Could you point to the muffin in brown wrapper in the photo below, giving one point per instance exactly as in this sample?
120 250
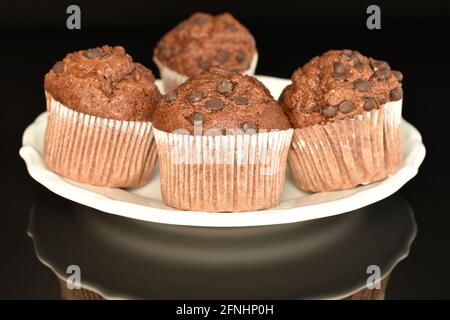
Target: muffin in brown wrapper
99 105
346 111
222 141
98 151
223 173
348 152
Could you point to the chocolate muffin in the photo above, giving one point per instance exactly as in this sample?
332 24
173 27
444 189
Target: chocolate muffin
222 142
99 105
223 101
346 111
203 41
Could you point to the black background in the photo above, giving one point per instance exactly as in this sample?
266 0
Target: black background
413 39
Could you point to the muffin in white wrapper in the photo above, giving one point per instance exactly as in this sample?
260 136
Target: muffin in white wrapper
222 141
96 150
172 79
348 152
346 110
99 105
223 173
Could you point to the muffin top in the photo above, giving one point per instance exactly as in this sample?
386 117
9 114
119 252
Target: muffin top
338 85
219 99
104 82
203 41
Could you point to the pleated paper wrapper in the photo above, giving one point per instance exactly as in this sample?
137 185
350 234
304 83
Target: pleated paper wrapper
349 152
172 79
96 150
223 173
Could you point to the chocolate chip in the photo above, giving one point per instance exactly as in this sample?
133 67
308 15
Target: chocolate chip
215 104
249 126
358 54
241 56
381 68
374 76
347 52
196 96
199 19
398 75
240 100
383 100
203 63
369 103
92 53
230 26
339 71
359 66
379 64
396 94
184 49
195 117
346 106
58 67
225 86
383 74
361 85
356 57
166 52
107 90
171 96
105 55
305 110
222 56
329 111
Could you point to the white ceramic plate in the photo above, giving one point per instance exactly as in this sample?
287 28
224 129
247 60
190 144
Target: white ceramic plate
145 203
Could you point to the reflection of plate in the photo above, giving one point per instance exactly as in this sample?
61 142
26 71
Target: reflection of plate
145 203
125 258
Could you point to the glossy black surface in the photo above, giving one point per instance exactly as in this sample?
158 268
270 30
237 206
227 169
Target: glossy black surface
125 258
413 39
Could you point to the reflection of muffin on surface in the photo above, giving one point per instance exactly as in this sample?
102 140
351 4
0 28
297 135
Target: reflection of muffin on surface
203 41
346 111
222 141
99 131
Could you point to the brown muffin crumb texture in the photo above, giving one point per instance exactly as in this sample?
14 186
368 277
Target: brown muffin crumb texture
104 82
220 99
205 40
337 85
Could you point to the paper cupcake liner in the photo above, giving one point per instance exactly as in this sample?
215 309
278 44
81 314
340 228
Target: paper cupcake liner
172 79
96 150
349 152
221 173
